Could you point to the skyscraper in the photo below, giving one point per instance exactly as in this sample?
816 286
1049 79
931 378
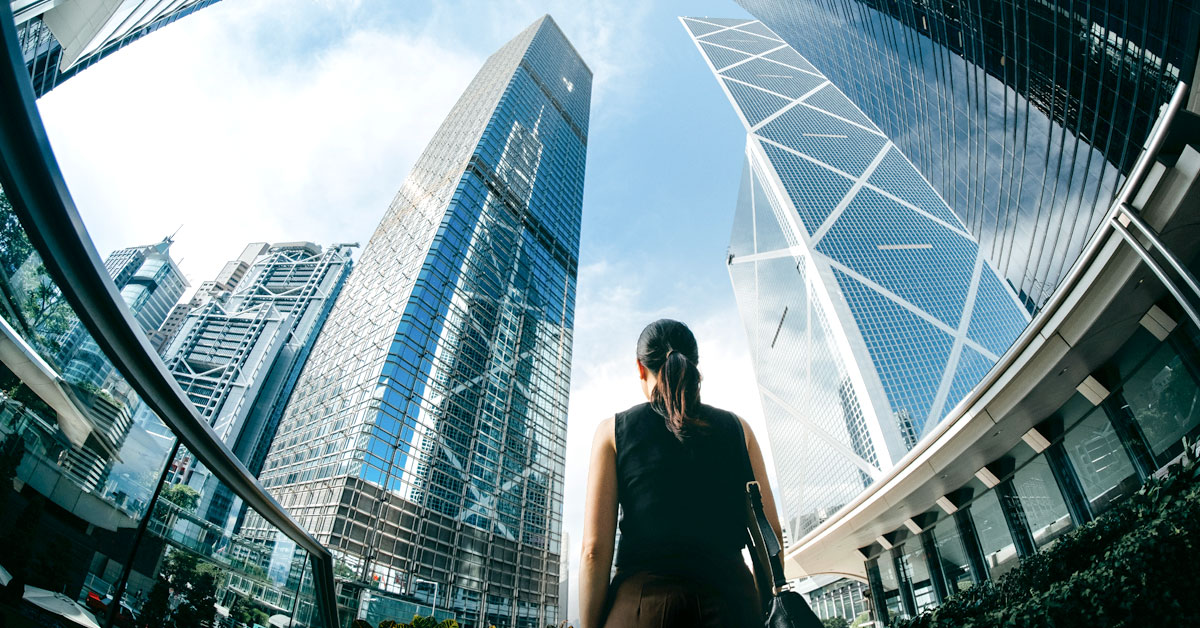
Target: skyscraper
870 309
237 356
424 444
61 37
226 281
149 283
1025 116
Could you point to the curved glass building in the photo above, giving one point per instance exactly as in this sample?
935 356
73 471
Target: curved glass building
1025 117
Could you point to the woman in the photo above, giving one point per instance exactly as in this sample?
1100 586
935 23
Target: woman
678 470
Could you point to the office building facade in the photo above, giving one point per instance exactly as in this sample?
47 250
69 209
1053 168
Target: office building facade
1025 117
424 443
225 281
237 355
149 282
870 309
59 38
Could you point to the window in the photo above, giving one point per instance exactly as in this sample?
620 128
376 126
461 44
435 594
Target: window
1042 502
1100 460
999 552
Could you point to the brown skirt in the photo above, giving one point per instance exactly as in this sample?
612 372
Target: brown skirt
721 600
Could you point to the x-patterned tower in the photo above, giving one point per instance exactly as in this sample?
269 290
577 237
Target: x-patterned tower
869 308
424 443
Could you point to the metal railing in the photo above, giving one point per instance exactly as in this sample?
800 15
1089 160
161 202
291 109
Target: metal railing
34 184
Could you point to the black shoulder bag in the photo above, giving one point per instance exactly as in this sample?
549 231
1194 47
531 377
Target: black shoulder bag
786 608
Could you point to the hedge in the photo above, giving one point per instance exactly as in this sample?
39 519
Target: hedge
1134 565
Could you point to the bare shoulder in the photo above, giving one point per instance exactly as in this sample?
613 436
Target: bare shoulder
606 433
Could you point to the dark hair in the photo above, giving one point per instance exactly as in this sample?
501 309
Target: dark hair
668 349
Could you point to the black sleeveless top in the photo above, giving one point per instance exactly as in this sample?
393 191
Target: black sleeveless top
683 502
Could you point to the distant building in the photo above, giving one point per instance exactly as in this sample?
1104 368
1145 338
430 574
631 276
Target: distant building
226 281
59 38
238 352
150 283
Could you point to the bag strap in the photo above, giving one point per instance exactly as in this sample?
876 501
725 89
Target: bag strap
766 545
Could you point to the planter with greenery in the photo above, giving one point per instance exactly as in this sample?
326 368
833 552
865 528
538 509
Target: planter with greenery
1133 565
417 622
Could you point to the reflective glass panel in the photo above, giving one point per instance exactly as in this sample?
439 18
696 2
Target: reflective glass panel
952 556
1101 463
999 552
891 586
1163 398
81 454
1042 502
917 566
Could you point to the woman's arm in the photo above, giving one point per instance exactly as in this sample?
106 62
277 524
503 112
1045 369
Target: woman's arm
760 475
599 526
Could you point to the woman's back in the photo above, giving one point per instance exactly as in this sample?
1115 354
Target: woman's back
676 469
682 499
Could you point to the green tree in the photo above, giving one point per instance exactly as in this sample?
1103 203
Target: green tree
14 246
835 622
249 612
194 583
182 495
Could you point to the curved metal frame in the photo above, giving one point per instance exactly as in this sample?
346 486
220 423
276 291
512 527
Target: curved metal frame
35 186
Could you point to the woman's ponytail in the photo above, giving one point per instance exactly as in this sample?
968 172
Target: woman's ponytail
668 348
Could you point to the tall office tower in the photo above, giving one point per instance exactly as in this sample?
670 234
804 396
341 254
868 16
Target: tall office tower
1025 116
150 284
424 444
238 355
870 309
226 281
59 38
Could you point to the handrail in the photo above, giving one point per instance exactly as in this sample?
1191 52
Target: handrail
31 177
1137 175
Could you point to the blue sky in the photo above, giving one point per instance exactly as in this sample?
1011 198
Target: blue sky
297 120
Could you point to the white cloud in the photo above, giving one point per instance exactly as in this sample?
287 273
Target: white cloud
611 37
206 128
612 308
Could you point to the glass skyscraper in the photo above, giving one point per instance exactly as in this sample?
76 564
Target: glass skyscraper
1025 116
870 309
424 443
59 38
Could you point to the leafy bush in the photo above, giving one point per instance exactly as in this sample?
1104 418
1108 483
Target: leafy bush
1133 565
417 622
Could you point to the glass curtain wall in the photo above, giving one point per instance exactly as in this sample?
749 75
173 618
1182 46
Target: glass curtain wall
1154 405
90 516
